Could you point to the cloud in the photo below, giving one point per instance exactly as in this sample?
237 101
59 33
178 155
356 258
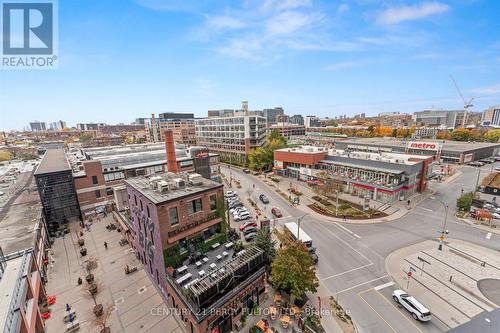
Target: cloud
224 22
343 8
285 4
344 65
288 22
395 15
490 90
172 5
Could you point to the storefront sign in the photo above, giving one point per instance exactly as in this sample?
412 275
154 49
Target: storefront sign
424 145
305 171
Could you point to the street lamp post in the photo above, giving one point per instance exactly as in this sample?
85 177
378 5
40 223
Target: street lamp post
443 231
298 223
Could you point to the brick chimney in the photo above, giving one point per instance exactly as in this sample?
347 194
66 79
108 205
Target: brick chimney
170 150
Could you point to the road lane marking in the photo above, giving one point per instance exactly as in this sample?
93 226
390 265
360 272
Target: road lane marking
385 321
349 271
347 244
427 209
347 230
361 284
385 285
488 235
411 322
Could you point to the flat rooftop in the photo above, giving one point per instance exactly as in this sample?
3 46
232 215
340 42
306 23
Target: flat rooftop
305 150
54 160
447 145
7 284
144 186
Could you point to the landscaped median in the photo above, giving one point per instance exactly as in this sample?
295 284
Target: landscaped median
345 209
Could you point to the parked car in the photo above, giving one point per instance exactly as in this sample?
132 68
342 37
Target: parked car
495 215
239 218
250 237
487 160
246 170
497 168
264 199
497 158
255 173
417 310
476 164
247 225
237 209
276 212
249 230
313 255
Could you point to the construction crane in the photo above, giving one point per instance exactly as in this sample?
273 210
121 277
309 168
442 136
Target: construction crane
467 105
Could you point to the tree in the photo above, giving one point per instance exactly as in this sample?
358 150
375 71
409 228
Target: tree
85 138
293 270
492 135
264 241
464 202
5 156
461 134
262 158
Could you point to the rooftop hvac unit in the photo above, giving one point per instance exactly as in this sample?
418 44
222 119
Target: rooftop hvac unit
179 183
195 179
163 186
153 181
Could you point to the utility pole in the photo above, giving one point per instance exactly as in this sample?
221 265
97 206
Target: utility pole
298 224
477 180
443 231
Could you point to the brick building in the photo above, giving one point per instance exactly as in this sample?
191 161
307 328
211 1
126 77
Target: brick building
176 217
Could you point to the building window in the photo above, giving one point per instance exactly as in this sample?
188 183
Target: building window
141 206
147 208
135 199
97 194
194 206
94 180
109 191
174 217
213 202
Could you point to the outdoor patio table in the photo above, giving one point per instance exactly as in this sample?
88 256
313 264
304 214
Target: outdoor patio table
219 257
213 265
198 264
205 260
201 273
182 269
216 245
228 245
225 254
295 310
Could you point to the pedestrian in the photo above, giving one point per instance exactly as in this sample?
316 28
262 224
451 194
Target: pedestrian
68 307
105 245
345 218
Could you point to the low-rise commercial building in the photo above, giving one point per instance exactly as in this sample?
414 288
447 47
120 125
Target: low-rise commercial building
440 150
97 171
232 137
289 131
177 217
384 177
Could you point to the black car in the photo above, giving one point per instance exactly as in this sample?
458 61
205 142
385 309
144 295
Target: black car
249 230
264 199
313 255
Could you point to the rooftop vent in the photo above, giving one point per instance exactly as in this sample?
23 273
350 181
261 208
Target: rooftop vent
163 186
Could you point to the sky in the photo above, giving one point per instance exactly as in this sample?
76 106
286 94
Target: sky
124 59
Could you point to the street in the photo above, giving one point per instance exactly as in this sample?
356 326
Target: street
352 257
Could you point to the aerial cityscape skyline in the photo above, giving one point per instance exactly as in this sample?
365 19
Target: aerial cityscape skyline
314 57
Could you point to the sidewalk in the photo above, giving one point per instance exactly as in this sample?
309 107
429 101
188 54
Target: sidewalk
133 298
394 212
447 282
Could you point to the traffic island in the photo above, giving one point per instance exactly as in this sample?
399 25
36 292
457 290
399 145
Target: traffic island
448 282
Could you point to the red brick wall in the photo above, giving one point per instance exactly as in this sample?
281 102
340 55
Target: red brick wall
300 158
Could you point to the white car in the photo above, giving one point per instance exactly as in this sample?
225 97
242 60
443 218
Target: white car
236 209
239 218
417 310
495 215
